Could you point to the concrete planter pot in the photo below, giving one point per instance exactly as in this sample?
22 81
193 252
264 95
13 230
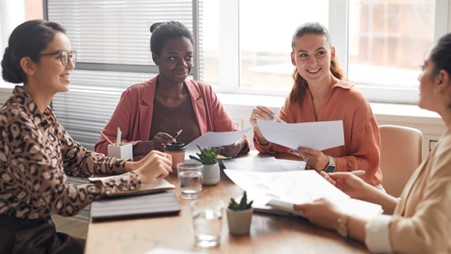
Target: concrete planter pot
211 174
239 221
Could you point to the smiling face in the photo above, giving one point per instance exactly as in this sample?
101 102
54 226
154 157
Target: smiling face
50 73
312 55
175 60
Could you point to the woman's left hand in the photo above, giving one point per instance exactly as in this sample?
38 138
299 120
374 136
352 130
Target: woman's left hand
313 158
321 212
234 149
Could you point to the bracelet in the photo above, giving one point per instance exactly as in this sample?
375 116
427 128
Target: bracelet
342 228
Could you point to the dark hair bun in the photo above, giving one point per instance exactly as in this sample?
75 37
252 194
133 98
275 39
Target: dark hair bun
10 71
154 26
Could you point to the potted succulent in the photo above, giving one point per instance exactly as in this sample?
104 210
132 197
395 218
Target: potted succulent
239 215
208 157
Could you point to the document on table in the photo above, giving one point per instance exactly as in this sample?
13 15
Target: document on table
215 139
283 189
263 164
316 135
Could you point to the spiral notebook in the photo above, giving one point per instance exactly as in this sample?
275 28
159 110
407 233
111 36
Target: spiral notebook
158 204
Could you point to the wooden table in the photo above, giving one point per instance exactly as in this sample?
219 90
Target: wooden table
269 233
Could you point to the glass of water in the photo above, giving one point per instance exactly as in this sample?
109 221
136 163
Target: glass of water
190 178
207 221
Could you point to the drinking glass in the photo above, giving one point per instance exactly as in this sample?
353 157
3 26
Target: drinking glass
190 178
207 221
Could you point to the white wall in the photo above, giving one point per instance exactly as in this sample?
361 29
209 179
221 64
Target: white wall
12 13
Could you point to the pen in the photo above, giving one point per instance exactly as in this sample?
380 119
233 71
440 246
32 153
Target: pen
177 134
358 172
119 137
277 118
107 139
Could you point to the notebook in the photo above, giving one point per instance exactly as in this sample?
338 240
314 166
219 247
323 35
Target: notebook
158 185
158 204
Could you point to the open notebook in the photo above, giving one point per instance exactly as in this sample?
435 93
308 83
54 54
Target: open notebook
280 190
157 204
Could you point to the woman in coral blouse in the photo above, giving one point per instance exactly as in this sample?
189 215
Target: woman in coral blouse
321 93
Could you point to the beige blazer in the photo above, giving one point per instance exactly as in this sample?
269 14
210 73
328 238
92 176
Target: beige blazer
422 219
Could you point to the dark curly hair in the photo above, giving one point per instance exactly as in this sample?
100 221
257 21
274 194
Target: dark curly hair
27 40
162 32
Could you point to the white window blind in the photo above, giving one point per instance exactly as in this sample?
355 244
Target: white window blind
112 39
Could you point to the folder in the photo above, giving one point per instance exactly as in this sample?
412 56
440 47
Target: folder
159 204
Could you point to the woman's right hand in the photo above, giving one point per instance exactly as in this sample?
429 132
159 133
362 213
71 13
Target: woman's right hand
154 165
262 113
157 143
160 140
350 184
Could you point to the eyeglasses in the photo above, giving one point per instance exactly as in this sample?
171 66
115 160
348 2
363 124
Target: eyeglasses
64 56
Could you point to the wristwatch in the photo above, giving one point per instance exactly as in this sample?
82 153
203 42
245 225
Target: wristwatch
342 228
331 167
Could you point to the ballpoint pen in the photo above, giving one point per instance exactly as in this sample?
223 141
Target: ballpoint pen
277 118
177 134
358 172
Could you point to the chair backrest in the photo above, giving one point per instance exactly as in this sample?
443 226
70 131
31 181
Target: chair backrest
401 149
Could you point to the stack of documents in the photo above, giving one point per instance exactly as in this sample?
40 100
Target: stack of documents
283 189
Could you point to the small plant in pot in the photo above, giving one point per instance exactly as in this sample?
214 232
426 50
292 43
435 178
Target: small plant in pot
239 215
208 157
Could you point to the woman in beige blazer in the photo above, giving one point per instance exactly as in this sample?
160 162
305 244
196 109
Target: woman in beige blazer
420 221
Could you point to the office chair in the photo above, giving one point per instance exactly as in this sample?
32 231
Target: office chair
400 155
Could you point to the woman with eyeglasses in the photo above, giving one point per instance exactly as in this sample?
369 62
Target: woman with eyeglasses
37 154
420 220
150 113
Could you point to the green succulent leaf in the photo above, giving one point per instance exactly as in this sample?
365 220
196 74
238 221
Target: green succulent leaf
208 156
242 205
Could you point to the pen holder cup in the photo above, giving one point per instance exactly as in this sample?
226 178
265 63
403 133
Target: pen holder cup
124 152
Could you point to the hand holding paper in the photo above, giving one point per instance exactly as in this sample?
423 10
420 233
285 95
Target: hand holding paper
316 135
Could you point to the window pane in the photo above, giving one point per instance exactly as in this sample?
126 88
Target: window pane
209 41
265 39
388 40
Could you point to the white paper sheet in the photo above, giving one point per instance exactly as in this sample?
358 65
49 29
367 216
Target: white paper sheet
215 139
316 135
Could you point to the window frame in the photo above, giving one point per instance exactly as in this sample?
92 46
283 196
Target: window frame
229 60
